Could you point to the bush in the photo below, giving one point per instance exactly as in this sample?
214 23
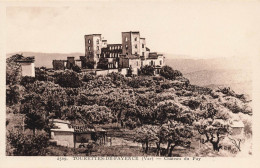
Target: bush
27 80
68 79
103 63
76 69
169 73
27 145
41 74
147 70
166 86
88 77
137 82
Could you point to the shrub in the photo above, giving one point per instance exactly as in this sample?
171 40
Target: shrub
166 86
103 63
27 80
169 73
76 69
41 74
68 79
88 77
147 70
27 144
90 64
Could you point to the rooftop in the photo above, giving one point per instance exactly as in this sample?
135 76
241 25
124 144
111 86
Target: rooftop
21 58
132 32
93 35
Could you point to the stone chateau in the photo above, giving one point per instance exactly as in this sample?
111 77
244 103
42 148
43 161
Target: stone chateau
104 58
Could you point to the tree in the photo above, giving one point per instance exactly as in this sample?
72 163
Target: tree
103 63
169 73
27 80
76 68
68 79
13 94
41 74
145 135
129 72
34 121
34 109
27 144
147 70
176 134
88 77
213 124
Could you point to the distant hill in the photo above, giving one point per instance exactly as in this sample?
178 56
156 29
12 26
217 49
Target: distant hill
234 72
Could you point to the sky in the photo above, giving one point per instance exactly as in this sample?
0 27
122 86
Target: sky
199 29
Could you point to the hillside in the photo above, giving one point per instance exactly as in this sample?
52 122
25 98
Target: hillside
143 109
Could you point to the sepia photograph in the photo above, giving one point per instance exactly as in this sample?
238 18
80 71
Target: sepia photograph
168 79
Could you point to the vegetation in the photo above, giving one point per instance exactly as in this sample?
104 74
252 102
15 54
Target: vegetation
169 73
162 113
147 70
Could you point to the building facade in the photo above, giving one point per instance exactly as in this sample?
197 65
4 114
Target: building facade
93 45
100 55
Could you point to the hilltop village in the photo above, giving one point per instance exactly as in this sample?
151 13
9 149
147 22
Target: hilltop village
111 102
104 58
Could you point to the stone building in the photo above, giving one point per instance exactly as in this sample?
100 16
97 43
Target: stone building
66 134
93 45
100 55
27 65
59 64
62 133
69 63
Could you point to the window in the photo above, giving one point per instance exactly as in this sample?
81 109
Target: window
160 62
126 39
136 46
137 63
89 41
97 41
126 46
97 47
151 62
89 48
135 53
142 53
142 45
126 53
135 38
98 55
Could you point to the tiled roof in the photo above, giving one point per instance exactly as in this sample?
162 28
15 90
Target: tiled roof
25 59
86 129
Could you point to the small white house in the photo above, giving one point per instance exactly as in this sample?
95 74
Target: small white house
237 127
27 65
62 133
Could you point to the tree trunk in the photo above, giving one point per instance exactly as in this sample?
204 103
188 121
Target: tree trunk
146 147
168 146
171 149
158 153
216 146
